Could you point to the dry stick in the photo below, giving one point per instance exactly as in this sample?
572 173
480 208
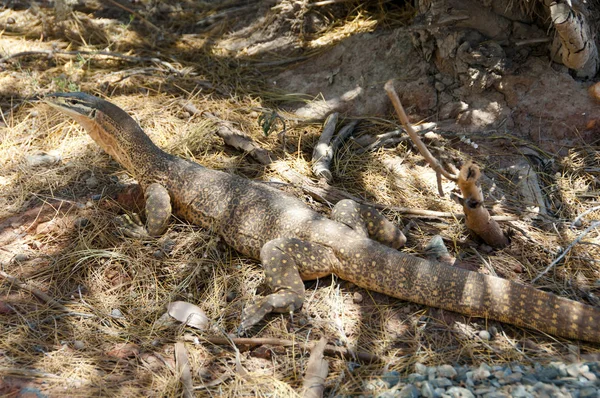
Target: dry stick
317 369
343 134
110 54
233 136
585 213
21 372
433 162
325 3
340 352
323 151
144 20
40 295
595 224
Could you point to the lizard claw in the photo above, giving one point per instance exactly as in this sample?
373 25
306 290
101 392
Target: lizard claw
131 226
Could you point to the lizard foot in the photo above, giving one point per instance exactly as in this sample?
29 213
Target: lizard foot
436 251
367 221
281 302
131 226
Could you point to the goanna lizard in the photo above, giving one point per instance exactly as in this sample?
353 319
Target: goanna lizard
295 243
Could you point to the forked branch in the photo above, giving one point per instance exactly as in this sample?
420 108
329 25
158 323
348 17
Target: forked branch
433 162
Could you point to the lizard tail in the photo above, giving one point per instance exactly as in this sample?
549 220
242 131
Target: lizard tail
470 293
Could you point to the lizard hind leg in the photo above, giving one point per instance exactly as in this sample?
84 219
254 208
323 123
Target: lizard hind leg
367 221
287 262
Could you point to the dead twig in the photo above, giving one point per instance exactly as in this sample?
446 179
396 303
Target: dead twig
323 151
325 3
577 220
108 54
41 295
594 225
317 369
339 352
141 18
343 134
20 372
233 136
433 162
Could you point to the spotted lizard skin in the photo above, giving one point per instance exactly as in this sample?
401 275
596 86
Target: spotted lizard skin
295 244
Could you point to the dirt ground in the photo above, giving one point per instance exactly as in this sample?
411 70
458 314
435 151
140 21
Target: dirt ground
532 128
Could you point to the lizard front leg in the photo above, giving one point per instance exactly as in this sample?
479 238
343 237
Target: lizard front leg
367 221
158 213
287 262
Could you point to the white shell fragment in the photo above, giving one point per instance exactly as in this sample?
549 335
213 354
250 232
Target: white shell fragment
189 314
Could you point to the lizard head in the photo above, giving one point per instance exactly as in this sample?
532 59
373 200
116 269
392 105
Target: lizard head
110 126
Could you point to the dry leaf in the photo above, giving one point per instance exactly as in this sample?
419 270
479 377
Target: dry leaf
183 369
189 314
317 369
124 350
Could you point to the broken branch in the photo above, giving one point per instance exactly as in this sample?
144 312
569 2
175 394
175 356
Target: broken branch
594 225
323 151
433 162
340 352
41 295
233 136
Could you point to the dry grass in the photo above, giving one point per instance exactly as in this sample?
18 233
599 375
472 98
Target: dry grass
94 271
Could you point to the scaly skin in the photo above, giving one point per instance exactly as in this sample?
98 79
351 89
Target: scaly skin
295 243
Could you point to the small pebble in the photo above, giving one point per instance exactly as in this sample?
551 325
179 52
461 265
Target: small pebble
589 375
481 374
391 378
441 382
116 313
78 345
420 368
81 222
446 371
357 298
414 377
409 391
231 295
459 392
427 390
573 370
91 182
21 257
41 159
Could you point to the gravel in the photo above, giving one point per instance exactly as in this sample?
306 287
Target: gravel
556 379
